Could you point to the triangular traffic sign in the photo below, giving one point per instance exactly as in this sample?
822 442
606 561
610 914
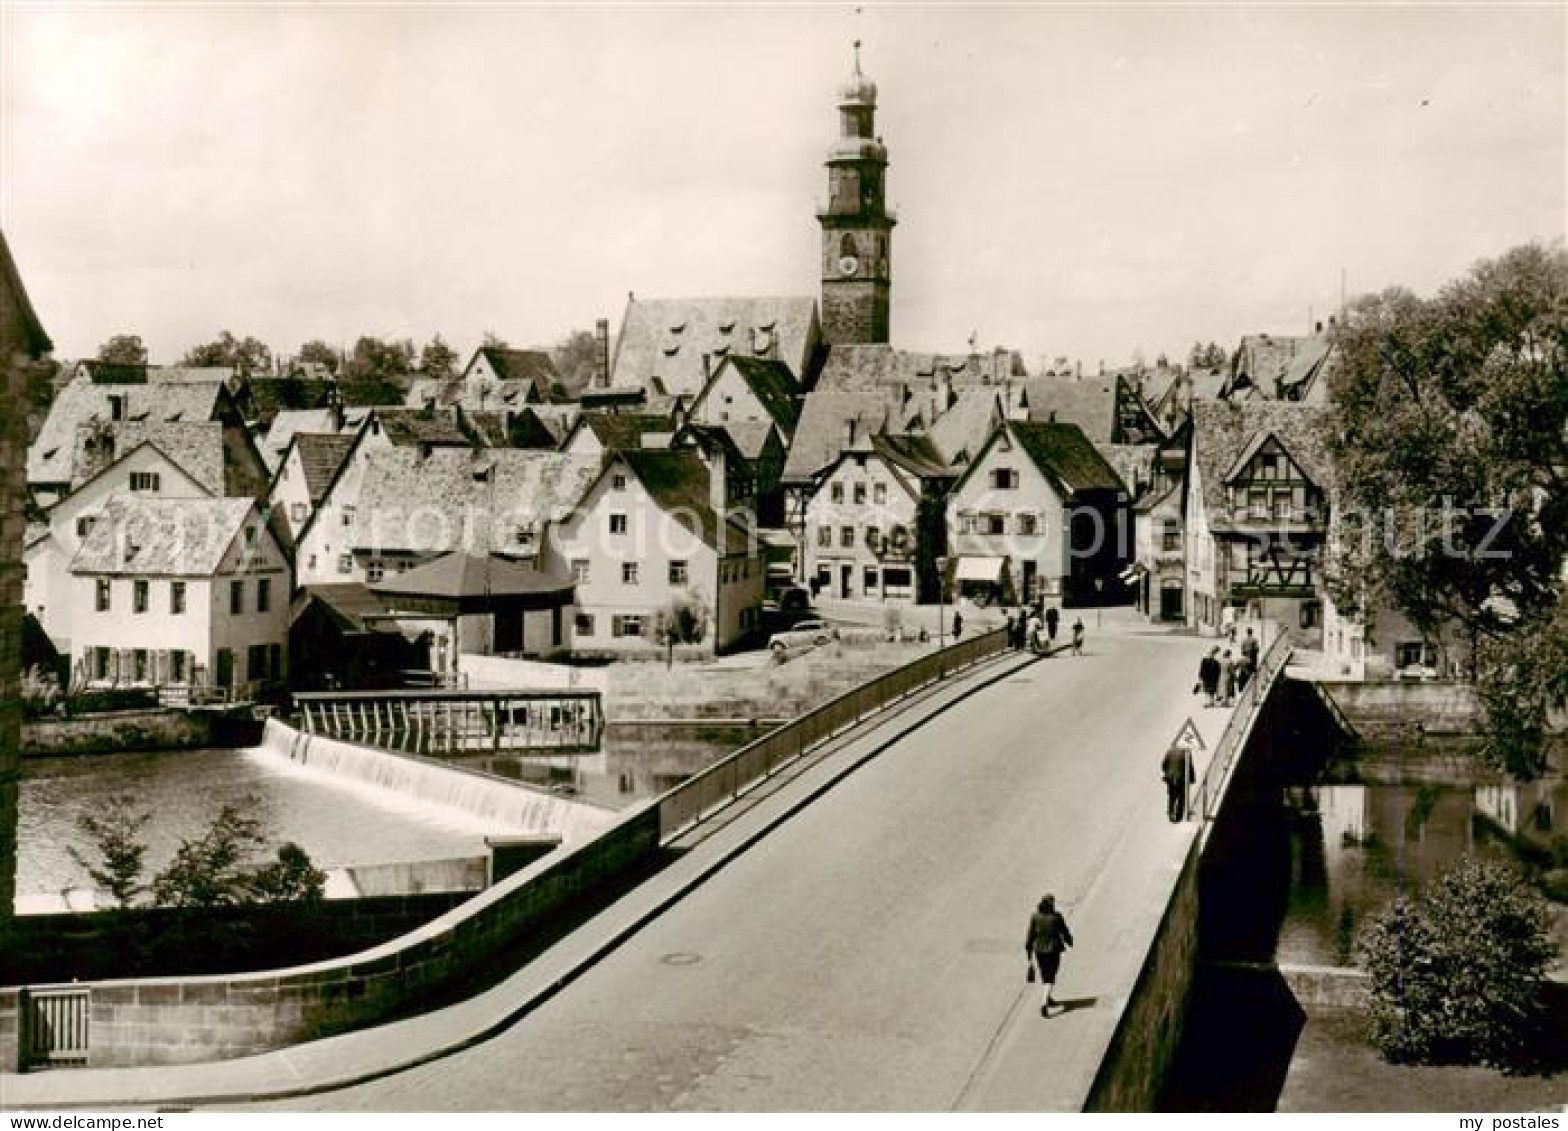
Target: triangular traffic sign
1188 736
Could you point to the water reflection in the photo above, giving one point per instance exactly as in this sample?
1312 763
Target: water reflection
1354 847
636 761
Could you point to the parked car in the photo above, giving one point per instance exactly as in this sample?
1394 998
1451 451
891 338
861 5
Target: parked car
813 631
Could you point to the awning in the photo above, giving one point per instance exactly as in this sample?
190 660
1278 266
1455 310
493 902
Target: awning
978 567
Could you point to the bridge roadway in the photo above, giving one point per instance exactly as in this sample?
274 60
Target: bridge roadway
868 952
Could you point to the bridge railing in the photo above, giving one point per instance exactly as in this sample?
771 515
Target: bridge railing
719 784
1211 790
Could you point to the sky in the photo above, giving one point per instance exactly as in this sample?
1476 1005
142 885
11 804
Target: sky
1096 182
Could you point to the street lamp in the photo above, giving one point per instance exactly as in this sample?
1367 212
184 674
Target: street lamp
941 602
1099 601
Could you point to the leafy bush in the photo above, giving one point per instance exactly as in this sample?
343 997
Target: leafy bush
40 692
113 699
1457 971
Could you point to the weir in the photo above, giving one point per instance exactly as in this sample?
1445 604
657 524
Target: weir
458 722
512 807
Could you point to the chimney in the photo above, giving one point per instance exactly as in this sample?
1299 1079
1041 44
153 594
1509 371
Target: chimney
718 482
707 367
601 354
849 432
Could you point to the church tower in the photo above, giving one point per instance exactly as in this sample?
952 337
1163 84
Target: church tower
857 228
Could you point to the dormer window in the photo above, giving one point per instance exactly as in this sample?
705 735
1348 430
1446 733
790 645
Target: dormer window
727 327
671 351
525 535
677 327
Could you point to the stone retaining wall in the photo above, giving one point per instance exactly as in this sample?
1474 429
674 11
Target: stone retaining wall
1149 1031
185 1020
1379 709
117 731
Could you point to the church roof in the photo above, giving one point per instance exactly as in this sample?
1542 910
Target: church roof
663 342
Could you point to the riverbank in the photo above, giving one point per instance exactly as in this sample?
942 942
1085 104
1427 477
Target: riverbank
136 730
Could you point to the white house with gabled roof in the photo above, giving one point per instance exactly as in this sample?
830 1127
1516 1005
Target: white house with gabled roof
183 592
143 472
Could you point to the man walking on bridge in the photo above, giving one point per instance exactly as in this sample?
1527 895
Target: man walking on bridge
1177 771
1048 937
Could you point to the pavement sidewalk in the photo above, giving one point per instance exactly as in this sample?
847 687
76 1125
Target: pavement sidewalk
367 1054
1039 1064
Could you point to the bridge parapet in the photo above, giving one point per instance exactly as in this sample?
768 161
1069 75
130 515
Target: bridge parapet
1211 790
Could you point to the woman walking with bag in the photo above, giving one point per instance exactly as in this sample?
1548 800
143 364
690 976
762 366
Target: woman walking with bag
1048 937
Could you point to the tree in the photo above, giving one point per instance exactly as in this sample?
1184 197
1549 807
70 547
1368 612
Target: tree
247 355
123 349
1457 972
437 359
118 852
575 357
684 620
377 360
494 341
318 352
1211 356
212 870
291 878
1450 438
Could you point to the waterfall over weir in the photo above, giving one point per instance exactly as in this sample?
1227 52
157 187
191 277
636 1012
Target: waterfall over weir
510 807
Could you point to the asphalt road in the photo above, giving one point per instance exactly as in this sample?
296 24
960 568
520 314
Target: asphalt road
868 954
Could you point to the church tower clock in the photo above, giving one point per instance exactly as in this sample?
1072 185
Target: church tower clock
857 228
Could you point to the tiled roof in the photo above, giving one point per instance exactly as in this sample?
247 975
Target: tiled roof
190 374
290 421
666 339
1133 463
196 448
161 537
620 431
320 455
774 385
349 603
679 484
750 437
1066 456
1223 430
418 502
532 367
559 419
33 338
51 457
460 574
851 368
965 426
1090 404
423 426
823 429
915 454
